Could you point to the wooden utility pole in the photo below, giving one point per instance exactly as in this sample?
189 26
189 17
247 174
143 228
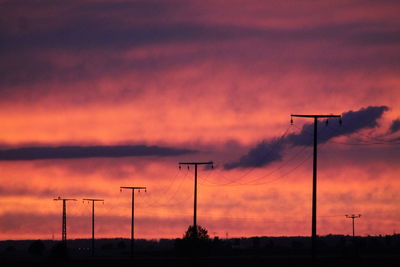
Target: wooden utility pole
314 187
93 200
352 217
64 217
133 188
195 187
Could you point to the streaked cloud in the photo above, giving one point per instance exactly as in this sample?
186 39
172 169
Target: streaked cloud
74 152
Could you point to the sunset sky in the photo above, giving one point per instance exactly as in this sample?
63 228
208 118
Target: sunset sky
100 94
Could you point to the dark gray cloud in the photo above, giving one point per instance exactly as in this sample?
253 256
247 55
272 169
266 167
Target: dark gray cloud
74 152
352 122
261 155
270 151
395 126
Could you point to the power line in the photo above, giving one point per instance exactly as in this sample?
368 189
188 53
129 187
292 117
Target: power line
274 179
279 142
236 182
167 193
175 193
281 166
377 141
249 170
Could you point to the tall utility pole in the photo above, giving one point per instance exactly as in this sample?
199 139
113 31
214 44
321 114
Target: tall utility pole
133 188
195 187
314 188
352 217
64 217
93 200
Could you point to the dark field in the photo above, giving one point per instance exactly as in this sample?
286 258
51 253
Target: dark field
255 251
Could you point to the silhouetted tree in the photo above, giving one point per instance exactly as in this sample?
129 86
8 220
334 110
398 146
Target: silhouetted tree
36 248
199 233
195 241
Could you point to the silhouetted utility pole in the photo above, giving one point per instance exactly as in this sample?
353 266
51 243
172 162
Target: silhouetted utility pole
133 188
314 189
64 217
195 187
93 200
352 217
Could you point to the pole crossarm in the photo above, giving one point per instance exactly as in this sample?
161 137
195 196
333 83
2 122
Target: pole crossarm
133 187
352 216
316 116
65 199
93 199
197 163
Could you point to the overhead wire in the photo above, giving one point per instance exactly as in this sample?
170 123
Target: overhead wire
175 194
291 170
237 182
241 177
362 142
161 197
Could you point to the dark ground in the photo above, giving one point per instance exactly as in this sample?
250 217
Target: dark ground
333 250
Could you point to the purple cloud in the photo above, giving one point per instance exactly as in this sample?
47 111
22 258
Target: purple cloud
267 152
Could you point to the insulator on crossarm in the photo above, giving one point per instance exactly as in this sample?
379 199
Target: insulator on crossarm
180 167
188 167
340 121
120 190
291 121
145 190
326 122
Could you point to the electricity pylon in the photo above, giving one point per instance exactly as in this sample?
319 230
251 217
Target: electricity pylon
352 217
314 189
133 188
93 200
195 188
64 217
